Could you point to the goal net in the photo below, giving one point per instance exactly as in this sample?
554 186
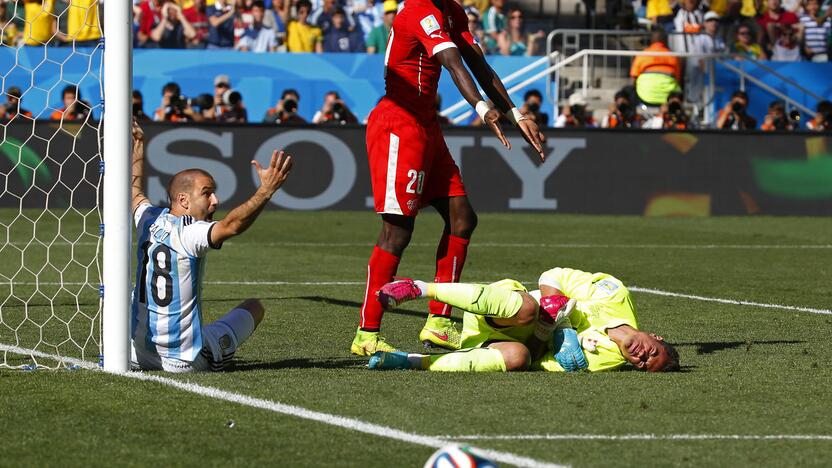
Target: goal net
51 178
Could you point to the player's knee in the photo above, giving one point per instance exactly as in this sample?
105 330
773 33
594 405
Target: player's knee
255 308
528 310
394 239
516 357
464 223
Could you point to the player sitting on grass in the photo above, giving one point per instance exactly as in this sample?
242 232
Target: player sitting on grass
589 318
166 327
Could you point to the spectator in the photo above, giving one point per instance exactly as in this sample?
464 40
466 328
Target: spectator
9 33
739 13
672 115
369 14
689 22
322 17
776 119
660 13
709 41
334 111
474 27
656 77
532 101
74 107
816 31
174 107
173 30
822 122
286 110
150 15
745 45
339 37
195 14
258 38
377 39
772 22
242 19
514 40
138 107
273 20
734 116
576 115
12 108
494 23
786 48
82 23
234 111
480 5
221 24
41 26
300 35
623 113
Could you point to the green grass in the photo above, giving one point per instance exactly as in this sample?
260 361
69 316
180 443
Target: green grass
747 370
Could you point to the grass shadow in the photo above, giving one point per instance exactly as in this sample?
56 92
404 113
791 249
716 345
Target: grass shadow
356 305
710 347
299 363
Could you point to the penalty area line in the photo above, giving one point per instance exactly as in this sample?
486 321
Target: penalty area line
644 437
342 422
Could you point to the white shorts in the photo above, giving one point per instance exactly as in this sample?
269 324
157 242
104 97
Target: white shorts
220 340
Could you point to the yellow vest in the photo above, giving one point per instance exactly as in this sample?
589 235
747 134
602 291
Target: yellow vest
39 22
82 20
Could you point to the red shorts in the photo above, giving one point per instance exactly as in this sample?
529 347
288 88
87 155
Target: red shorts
410 165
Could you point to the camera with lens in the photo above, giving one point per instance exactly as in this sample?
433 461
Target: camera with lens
204 101
232 98
290 106
533 107
177 105
738 107
577 111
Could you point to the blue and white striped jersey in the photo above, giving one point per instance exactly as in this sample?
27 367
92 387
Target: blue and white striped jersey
166 313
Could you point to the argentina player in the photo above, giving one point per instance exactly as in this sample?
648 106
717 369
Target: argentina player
167 328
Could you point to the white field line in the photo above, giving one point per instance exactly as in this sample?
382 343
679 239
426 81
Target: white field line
657 292
302 413
502 244
636 437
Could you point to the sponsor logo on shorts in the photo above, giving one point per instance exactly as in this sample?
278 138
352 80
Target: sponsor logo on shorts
413 204
429 24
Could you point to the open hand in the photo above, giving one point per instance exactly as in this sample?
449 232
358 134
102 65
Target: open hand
532 134
273 176
492 119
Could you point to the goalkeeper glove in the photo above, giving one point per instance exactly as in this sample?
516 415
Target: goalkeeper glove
552 311
567 350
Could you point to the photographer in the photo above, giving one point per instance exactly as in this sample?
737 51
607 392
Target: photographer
531 108
734 115
334 111
286 110
622 113
823 118
138 107
233 108
174 106
576 115
776 119
74 108
12 108
672 114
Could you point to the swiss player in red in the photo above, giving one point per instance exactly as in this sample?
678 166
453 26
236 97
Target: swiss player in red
410 165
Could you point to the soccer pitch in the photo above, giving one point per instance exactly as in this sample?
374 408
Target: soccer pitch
753 391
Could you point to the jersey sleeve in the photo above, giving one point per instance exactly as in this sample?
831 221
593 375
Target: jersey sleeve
195 238
424 24
145 215
460 34
572 283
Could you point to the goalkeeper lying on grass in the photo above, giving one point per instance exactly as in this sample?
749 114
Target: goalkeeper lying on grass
575 321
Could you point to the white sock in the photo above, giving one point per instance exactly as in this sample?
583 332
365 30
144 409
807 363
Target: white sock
423 287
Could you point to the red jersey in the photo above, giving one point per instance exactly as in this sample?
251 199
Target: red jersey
419 32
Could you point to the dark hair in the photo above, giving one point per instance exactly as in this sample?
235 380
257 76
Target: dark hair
739 94
658 35
14 91
304 3
824 107
173 88
673 364
258 4
777 104
532 92
622 94
289 91
677 95
71 89
137 94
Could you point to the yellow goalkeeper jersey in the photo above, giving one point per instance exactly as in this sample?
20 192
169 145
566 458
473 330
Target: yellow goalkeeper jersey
602 302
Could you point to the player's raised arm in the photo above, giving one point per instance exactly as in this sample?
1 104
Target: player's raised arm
496 92
452 61
138 197
240 218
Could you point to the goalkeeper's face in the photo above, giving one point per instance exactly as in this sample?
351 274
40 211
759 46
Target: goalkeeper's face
649 352
203 199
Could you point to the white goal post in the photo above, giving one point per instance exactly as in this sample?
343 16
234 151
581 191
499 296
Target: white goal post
118 84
